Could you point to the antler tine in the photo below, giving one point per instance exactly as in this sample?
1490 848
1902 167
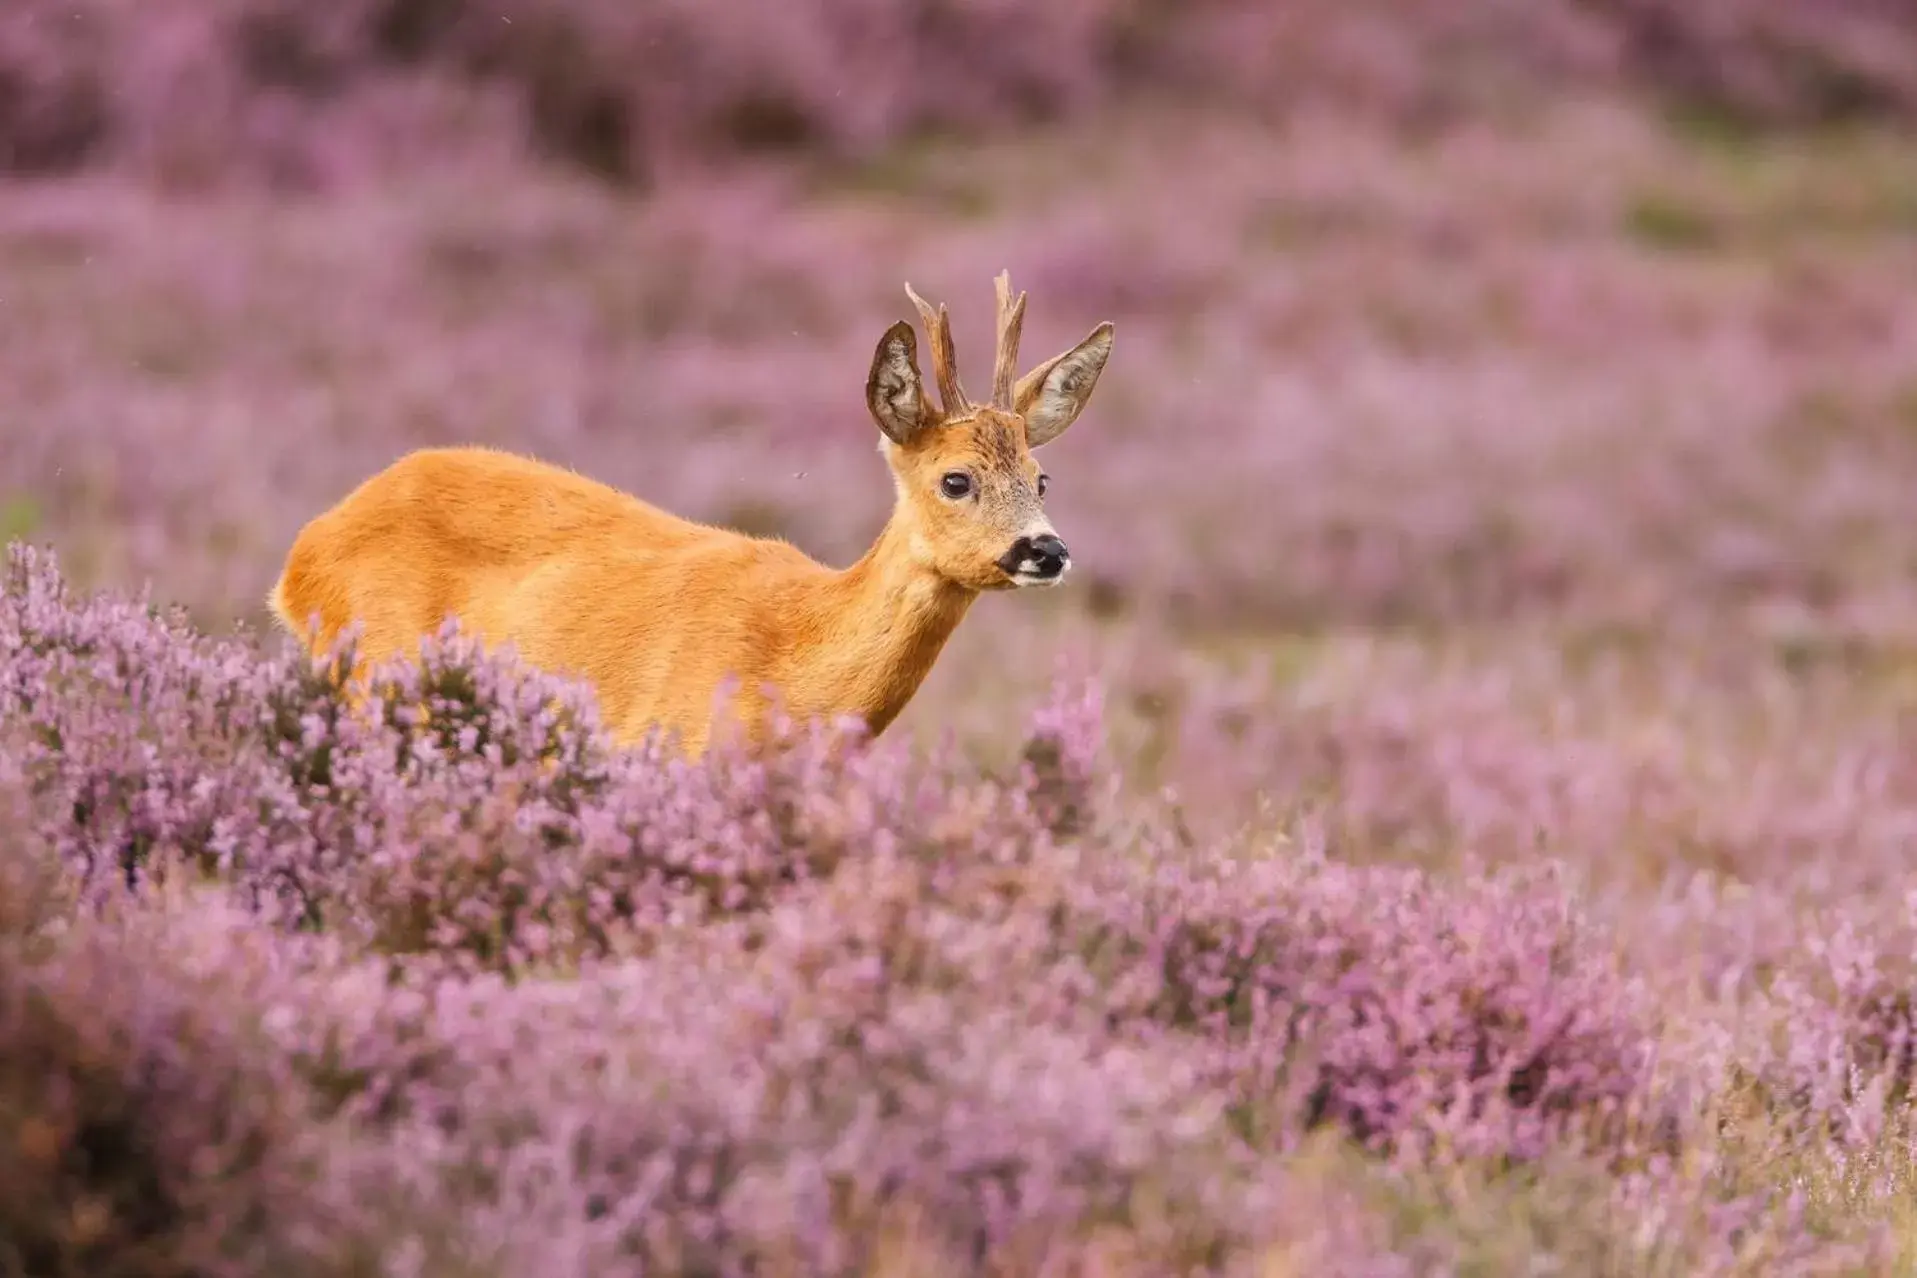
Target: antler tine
1011 323
938 329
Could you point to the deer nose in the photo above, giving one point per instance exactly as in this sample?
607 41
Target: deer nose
1051 555
1043 557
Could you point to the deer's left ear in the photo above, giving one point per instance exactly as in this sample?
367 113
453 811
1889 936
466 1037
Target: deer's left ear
1051 396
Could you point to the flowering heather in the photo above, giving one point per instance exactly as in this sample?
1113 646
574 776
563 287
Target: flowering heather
191 90
585 1009
1457 819
1679 375
145 1125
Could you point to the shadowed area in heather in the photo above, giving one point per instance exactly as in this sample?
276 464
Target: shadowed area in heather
1456 817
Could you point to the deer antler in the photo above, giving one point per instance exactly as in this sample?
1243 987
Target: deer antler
938 330
1011 323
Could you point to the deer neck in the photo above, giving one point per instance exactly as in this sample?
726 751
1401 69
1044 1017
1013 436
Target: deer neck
880 625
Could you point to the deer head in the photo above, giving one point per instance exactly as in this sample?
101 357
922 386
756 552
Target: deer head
969 490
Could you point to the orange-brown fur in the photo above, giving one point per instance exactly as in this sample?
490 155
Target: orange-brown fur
658 613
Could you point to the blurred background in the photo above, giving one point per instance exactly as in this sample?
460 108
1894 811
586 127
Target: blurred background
1528 324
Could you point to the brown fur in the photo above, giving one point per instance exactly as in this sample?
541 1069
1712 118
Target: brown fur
660 614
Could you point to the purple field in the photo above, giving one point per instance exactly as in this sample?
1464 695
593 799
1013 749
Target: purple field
1459 818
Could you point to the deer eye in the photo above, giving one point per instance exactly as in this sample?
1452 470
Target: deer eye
956 484
1044 482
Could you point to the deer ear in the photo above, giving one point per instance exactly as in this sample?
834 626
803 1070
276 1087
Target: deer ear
894 391
1051 396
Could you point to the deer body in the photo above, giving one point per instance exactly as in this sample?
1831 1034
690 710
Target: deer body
660 614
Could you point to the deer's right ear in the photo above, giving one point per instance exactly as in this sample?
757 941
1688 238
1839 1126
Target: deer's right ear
894 391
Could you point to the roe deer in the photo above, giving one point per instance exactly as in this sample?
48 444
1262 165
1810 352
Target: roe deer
658 613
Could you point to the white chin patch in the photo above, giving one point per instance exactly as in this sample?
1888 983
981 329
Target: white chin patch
1028 574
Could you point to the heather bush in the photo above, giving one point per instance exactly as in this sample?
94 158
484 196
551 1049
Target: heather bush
474 811
831 1055
1481 1022
304 95
145 1126
1831 1057
742 1110
610 1006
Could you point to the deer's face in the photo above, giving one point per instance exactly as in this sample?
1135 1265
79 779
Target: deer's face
977 498
974 494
